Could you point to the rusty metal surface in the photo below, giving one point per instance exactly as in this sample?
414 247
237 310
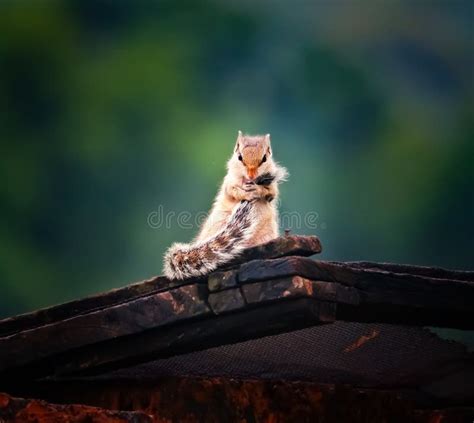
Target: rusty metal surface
219 400
19 410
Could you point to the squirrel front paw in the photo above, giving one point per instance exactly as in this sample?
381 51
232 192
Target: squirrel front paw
250 192
256 192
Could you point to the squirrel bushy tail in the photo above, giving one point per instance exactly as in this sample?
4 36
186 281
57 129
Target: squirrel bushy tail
198 259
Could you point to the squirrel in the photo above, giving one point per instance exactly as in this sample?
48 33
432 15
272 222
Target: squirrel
244 212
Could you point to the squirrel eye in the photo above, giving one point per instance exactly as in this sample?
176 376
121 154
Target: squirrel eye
240 157
264 158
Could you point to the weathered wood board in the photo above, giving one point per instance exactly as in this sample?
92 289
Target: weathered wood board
269 290
280 247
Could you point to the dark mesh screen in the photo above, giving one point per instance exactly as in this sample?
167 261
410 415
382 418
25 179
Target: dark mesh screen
370 355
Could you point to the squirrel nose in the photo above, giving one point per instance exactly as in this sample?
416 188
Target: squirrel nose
251 174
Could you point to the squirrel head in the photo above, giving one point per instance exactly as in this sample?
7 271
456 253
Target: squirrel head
252 156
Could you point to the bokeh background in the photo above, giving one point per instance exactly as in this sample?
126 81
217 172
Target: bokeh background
112 110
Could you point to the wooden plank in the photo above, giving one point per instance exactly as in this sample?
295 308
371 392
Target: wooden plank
258 270
134 317
114 334
131 319
431 272
161 342
382 310
218 281
279 290
441 302
227 300
356 305
290 245
409 289
296 286
94 302
283 246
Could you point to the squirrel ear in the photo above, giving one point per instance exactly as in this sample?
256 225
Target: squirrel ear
267 139
239 136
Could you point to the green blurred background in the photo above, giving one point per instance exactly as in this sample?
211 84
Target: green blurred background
110 110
